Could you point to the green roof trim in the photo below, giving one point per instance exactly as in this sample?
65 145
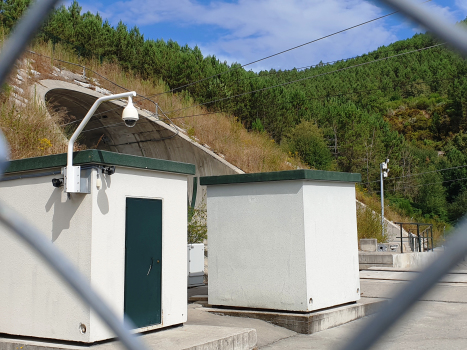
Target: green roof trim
103 158
302 174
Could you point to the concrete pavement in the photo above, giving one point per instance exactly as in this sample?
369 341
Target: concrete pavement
431 325
439 321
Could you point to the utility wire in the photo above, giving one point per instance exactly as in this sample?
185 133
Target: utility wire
278 53
426 172
313 98
196 115
440 182
112 109
323 64
324 97
320 97
101 76
421 185
306 78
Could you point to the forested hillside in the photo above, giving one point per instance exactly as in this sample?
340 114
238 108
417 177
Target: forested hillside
349 115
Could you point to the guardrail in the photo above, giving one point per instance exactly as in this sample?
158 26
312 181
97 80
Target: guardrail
421 241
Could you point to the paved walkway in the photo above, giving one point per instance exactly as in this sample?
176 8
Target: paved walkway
439 321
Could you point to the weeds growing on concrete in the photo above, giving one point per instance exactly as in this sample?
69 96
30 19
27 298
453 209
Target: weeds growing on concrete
28 127
369 224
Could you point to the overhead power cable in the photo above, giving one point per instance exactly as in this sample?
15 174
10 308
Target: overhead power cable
418 174
196 115
112 109
421 185
324 97
306 78
321 64
278 53
311 98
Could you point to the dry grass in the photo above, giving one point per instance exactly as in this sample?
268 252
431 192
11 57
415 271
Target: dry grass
369 224
30 130
223 134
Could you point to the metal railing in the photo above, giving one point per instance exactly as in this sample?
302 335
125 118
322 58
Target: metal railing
456 247
421 241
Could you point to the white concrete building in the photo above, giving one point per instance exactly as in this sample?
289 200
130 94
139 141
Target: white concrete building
283 240
127 236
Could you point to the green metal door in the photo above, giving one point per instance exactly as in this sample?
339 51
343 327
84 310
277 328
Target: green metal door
143 261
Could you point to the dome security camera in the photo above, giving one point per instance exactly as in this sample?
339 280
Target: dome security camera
130 114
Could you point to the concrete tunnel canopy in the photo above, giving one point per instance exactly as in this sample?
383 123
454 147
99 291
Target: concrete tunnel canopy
150 137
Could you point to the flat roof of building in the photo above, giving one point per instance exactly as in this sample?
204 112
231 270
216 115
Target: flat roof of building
301 174
102 158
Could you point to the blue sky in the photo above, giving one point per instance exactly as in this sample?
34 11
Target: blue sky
245 30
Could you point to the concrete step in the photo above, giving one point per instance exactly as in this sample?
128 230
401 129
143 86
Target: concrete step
396 260
198 299
188 337
307 323
408 275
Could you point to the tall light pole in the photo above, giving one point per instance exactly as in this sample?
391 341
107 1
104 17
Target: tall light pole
383 167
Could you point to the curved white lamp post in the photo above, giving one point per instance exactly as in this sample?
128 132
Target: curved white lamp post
73 173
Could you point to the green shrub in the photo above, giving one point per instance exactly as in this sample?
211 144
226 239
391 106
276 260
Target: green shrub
369 224
197 230
257 125
306 140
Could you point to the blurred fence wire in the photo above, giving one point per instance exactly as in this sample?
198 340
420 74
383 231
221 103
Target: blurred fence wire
456 247
388 316
22 34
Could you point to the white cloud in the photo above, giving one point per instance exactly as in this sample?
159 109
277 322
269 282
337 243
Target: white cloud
252 29
445 12
462 5
257 28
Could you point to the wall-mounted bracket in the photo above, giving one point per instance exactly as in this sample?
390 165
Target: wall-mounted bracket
77 179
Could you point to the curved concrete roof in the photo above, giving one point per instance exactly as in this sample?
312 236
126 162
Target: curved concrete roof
149 138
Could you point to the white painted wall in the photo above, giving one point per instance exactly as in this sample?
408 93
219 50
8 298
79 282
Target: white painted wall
195 264
331 243
275 245
256 245
90 229
33 301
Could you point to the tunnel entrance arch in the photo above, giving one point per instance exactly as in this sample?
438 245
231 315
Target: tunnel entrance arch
150 137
